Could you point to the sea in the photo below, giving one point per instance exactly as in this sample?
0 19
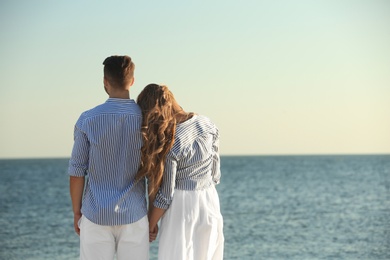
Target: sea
274 207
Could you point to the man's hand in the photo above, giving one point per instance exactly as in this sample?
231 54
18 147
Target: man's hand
76 219
76 187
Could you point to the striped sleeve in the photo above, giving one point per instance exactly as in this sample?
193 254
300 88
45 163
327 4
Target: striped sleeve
78 163
216 165
165 194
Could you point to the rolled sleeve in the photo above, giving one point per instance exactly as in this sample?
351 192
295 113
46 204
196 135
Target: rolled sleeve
165 194
78 163
216 166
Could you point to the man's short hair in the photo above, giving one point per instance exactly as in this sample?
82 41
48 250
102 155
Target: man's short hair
119 71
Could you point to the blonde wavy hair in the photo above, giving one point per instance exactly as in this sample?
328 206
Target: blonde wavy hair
160 113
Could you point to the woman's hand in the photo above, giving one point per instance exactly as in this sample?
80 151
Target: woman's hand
153 231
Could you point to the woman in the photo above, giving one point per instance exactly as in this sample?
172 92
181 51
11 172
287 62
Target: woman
181 161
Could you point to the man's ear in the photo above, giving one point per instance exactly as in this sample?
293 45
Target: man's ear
105 84
132 82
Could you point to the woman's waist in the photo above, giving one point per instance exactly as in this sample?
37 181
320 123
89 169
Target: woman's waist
193 183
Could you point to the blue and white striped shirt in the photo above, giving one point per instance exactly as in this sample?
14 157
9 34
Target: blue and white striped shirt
107 149
193 163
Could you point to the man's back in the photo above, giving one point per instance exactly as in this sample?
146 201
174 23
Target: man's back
107 150
109 206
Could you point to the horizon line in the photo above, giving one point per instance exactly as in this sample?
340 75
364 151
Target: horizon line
222 155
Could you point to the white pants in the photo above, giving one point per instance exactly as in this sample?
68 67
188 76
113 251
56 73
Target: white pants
192 227
99 242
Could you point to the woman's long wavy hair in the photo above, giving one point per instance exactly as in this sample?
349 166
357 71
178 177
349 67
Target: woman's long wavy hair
159 119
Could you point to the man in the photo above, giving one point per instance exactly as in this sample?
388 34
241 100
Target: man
110 213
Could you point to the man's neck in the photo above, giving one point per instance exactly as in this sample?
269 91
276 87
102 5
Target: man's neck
120 94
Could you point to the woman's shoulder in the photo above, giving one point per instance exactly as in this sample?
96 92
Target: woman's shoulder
206 121
196 126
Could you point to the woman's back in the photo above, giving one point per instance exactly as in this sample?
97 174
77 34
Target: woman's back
196 152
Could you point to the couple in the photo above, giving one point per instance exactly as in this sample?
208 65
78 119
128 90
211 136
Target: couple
122 147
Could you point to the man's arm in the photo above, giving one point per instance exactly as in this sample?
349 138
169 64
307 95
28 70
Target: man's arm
78 166
76 193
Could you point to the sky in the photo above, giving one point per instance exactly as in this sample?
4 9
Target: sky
276 77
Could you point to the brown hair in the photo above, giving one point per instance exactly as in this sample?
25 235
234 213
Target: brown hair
119 71
159 111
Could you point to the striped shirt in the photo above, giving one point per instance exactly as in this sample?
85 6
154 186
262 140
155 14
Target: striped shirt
107 149
193 162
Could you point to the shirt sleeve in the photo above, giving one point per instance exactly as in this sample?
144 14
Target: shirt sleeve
216 166
78 163
165 193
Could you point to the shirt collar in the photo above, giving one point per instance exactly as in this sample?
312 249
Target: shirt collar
120 100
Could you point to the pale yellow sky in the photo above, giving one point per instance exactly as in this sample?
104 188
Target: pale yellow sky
277 77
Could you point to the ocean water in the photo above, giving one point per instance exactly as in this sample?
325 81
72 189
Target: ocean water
274 207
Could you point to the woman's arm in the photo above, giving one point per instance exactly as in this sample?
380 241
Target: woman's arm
154 217
152 197
162 200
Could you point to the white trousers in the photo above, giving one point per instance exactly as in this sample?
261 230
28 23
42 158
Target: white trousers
99 242
192 227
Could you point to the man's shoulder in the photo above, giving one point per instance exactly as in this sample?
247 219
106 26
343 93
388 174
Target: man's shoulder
130 108
107 109
93 111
